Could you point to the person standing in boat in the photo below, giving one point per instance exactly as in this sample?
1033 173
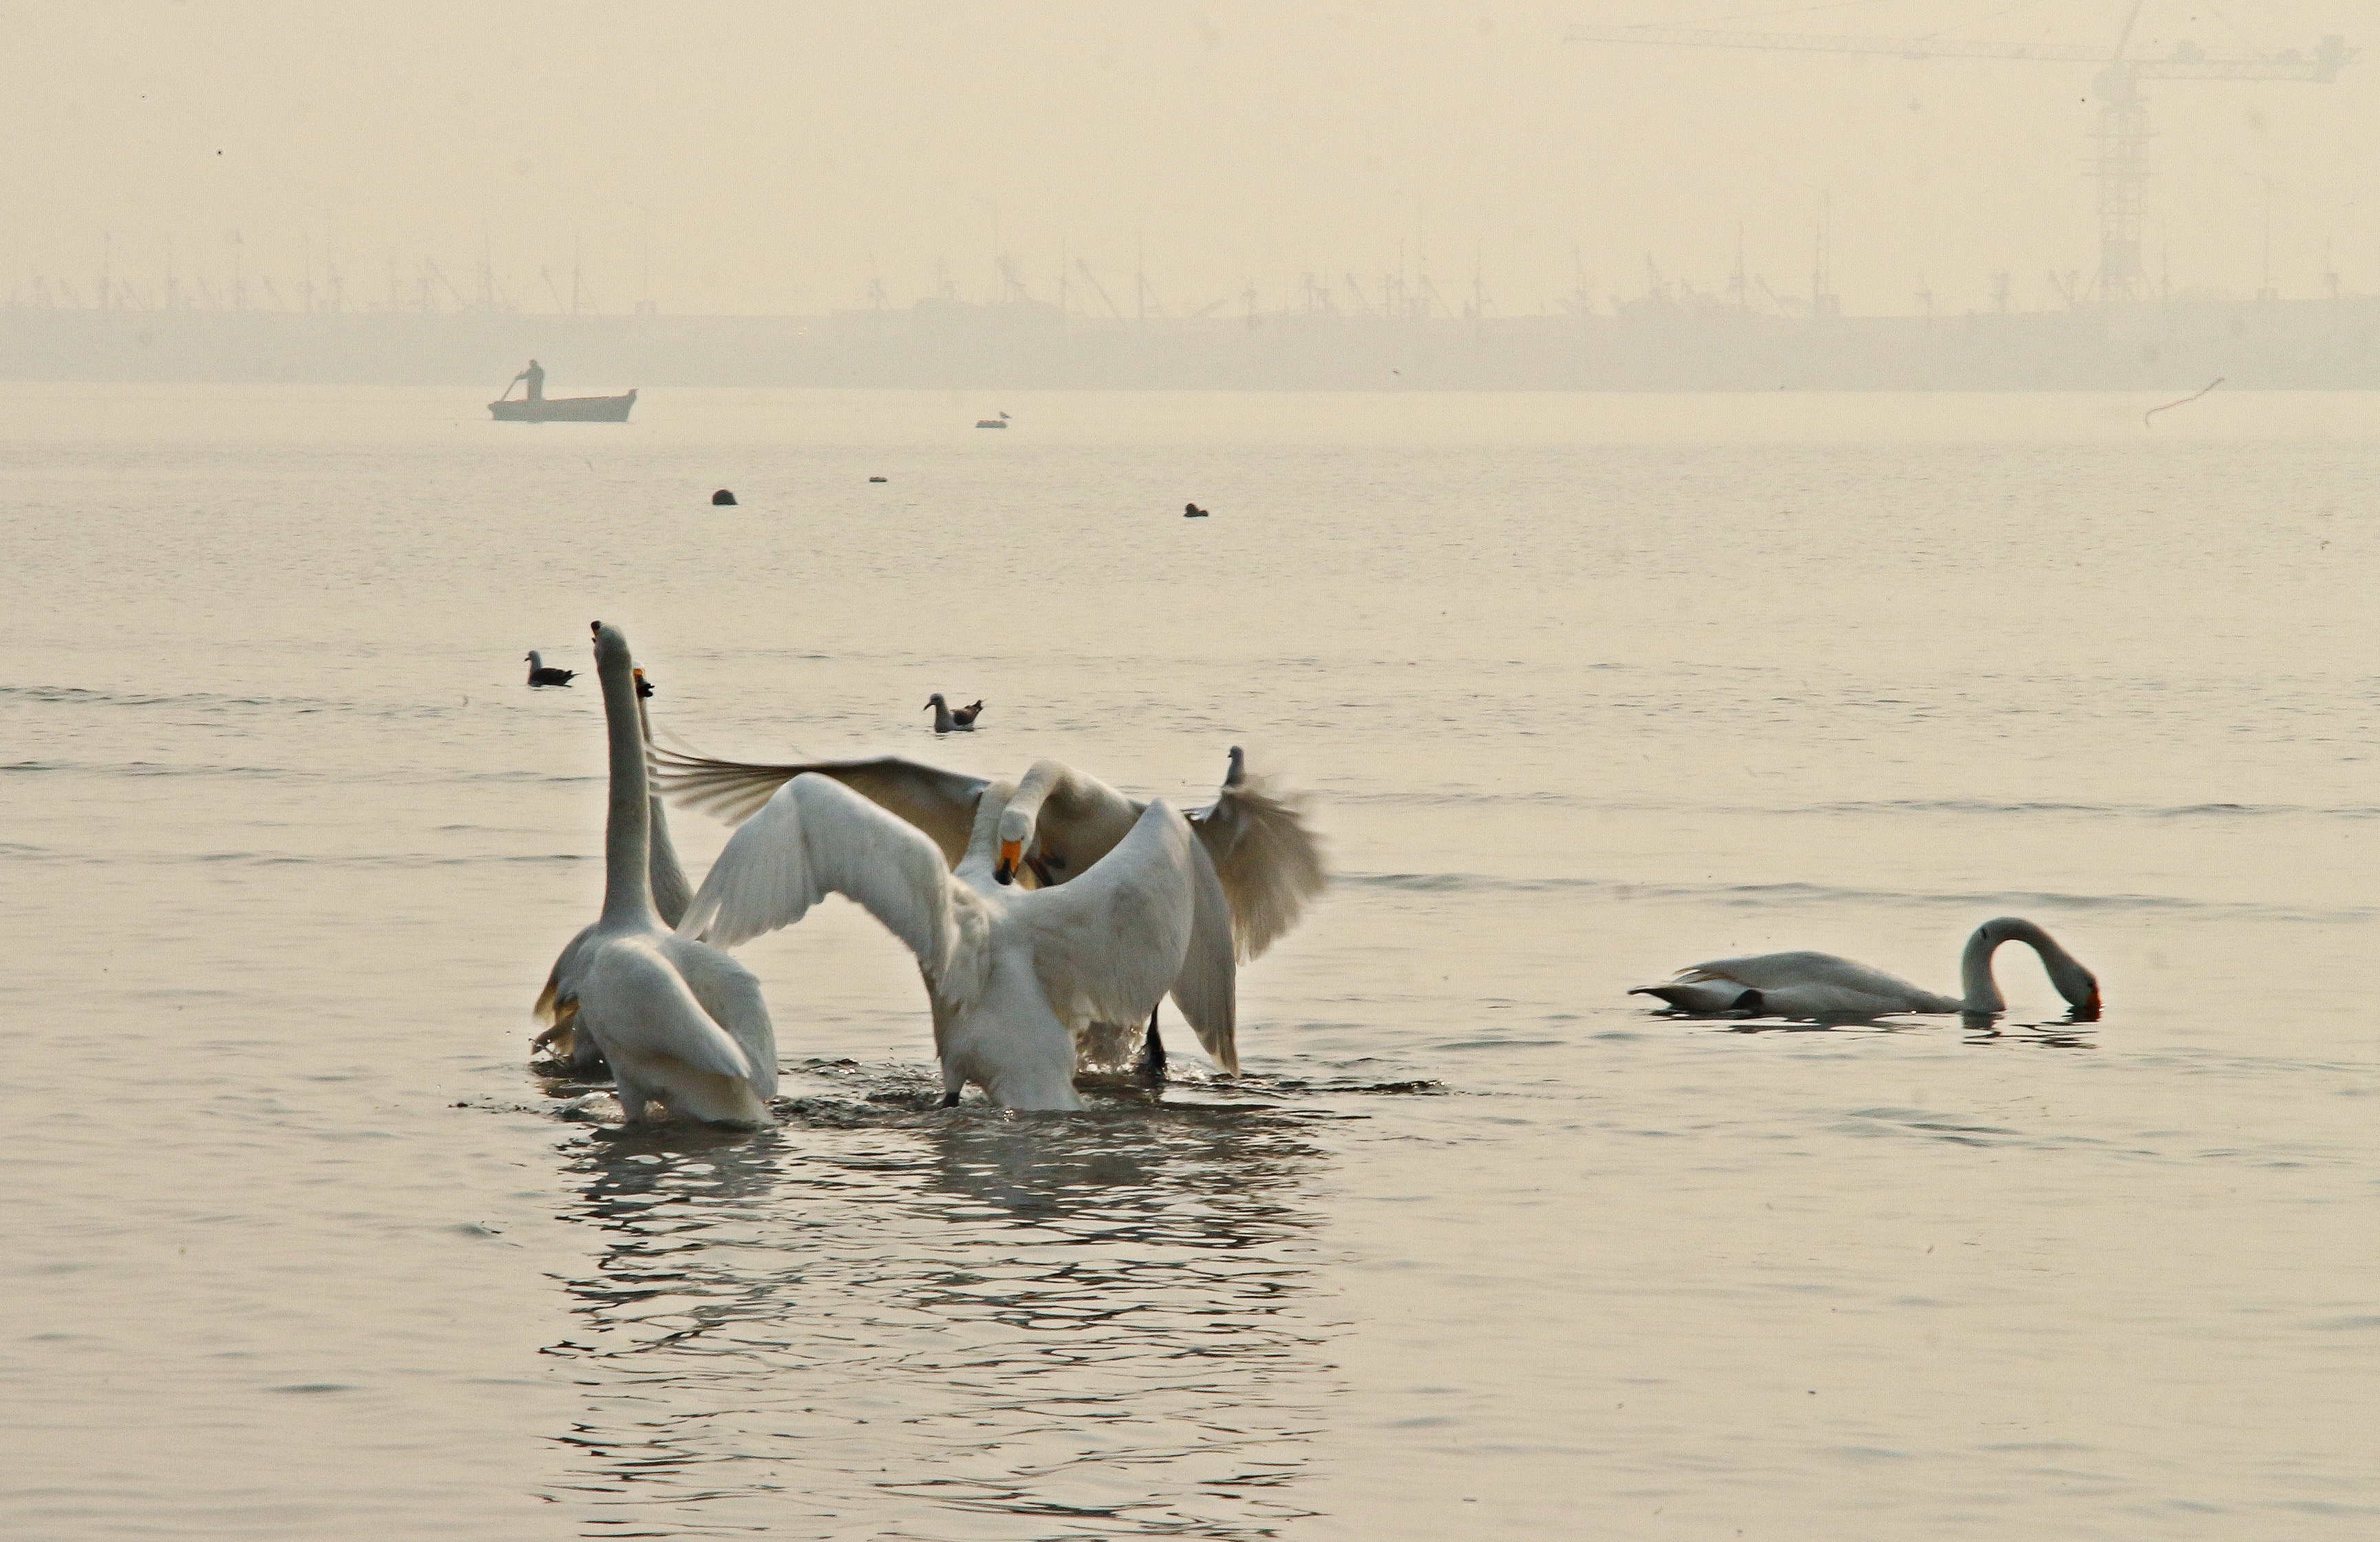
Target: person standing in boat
535 376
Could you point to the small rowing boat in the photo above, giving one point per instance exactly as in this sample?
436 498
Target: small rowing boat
564 409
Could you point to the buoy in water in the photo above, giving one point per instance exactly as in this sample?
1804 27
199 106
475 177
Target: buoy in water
723 498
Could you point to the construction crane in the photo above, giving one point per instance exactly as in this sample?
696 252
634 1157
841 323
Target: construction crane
2120 167
1098 289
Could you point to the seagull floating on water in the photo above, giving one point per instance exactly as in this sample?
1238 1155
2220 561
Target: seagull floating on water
947 721
543 674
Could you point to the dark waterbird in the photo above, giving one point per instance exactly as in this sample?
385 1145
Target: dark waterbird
1192 511
723 499
543 674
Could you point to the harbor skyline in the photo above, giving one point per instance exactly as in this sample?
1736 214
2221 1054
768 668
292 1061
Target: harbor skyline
757 163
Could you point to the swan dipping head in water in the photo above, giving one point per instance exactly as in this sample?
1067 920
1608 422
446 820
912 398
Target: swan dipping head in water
1814 985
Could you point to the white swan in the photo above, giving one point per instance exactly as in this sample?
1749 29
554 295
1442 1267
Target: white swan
1820 985
681 1024
670 892
1270 861
1012 975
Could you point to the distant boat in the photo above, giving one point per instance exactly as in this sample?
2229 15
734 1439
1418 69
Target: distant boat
999 422
564 409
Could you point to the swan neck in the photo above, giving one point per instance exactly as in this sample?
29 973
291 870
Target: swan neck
982 855
1034 790
628 823
1982 991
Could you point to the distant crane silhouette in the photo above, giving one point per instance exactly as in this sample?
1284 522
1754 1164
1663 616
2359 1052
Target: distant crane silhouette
2121 166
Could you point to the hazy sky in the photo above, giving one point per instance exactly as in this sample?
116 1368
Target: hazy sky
774 147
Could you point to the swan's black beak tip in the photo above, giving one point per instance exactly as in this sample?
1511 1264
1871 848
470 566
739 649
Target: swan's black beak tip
1005 873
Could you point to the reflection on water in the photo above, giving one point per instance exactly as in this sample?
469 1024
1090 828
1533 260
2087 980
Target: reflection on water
966 1324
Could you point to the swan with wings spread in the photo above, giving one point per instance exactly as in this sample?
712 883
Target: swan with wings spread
1012 975
1057 823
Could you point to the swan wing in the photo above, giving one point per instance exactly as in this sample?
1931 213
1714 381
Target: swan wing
1109 945
1270 861
640 1010
731 994
1206 991
941 803
562 981
817 837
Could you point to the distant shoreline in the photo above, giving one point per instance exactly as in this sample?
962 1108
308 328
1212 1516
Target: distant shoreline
1650 346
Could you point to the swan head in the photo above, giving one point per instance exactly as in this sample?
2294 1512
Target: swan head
644 687
2076 983
1015 830
611 647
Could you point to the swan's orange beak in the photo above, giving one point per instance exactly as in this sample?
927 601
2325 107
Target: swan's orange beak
1011 853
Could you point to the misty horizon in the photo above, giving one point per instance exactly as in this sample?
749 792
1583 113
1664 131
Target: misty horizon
1224 161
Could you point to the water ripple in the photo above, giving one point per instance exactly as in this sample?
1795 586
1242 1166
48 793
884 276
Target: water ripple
1107 1325
1799 894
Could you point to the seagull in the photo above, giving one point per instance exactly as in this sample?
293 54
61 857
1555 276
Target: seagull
681 1024
543 674
947 721
1812 985
1014 977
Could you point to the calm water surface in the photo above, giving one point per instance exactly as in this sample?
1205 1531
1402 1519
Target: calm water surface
1585 688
